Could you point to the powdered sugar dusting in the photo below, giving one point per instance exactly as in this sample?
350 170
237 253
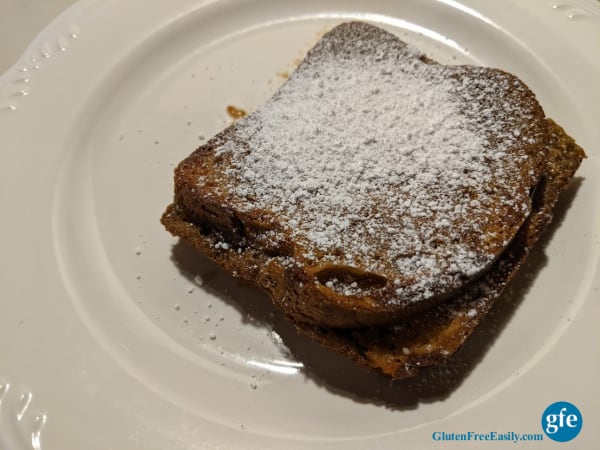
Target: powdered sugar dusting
372 158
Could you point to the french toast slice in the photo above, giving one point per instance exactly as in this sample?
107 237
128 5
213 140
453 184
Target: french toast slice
374 184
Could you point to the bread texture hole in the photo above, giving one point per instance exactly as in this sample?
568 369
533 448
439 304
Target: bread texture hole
348 280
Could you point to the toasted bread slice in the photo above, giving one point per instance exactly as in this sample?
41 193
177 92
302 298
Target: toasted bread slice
372 186
435 335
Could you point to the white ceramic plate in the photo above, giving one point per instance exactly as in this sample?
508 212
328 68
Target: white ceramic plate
113 335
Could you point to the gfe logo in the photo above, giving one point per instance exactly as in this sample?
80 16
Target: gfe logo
561 421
